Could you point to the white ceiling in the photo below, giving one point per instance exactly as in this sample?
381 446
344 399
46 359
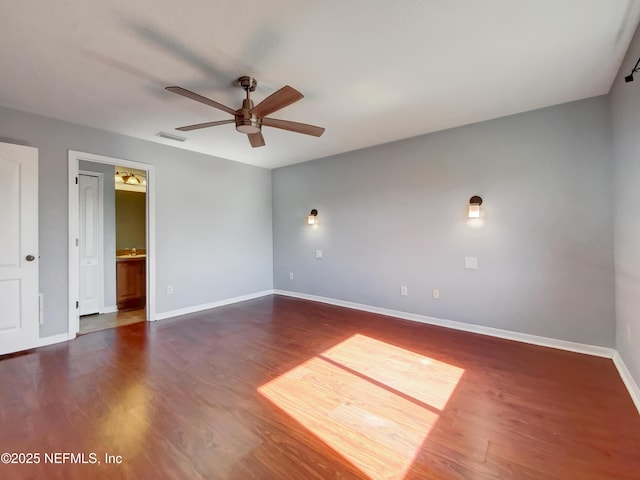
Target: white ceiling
372 71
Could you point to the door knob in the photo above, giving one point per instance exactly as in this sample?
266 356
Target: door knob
30 258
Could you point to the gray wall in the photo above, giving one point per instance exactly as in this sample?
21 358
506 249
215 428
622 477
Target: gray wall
108 227
131 231
625 120
213 216
395 215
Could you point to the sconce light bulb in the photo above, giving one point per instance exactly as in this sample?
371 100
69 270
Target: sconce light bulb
474 206
313 217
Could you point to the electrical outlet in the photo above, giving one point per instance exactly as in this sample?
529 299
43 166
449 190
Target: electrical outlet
436 293
290 275
169 289
403 290
319 254
471 262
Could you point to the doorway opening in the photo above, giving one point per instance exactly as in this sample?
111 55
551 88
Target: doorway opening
111 248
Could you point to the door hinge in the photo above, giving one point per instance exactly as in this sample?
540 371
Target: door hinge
76 180
77 304
77 242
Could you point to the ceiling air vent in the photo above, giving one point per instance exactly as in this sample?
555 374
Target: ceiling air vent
170 136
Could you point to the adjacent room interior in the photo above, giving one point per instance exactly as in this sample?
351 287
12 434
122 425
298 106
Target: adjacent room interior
420 263
112 246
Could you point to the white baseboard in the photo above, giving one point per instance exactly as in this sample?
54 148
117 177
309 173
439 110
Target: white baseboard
466 327
628 380
109 309
207 306
63 337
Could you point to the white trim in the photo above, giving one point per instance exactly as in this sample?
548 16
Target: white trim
595 350
207 306
628 380
100 239
63 337
151 241
466 327
109 309
74 234
74 158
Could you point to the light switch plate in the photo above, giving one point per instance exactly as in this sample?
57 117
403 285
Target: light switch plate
471 262
318 253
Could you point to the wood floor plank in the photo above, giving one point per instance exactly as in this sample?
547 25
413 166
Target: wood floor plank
280 388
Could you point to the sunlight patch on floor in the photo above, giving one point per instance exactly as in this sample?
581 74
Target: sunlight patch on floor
423 378
124 426
372 402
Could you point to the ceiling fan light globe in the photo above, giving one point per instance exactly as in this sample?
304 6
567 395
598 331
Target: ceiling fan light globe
247 126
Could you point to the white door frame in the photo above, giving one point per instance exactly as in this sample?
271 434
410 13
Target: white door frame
74 229
100 176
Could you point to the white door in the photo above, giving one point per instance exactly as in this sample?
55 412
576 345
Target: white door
90 244
19 319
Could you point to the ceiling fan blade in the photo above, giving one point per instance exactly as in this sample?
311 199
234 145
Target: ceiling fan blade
293 126
277 100
204 125
199 98
256 139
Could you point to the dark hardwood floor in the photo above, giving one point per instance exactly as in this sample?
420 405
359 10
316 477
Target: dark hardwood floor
279 388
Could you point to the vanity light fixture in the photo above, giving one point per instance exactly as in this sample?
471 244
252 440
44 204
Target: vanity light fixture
312 219
129 178
474 206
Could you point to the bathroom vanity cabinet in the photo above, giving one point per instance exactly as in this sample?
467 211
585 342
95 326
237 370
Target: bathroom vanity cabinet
131 281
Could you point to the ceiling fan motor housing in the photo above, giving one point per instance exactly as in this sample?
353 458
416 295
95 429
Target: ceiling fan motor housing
246 122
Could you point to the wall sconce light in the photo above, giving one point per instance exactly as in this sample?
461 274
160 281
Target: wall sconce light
474 206
629 78
312 219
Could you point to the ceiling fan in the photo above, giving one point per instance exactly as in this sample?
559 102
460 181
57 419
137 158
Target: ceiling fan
249 119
